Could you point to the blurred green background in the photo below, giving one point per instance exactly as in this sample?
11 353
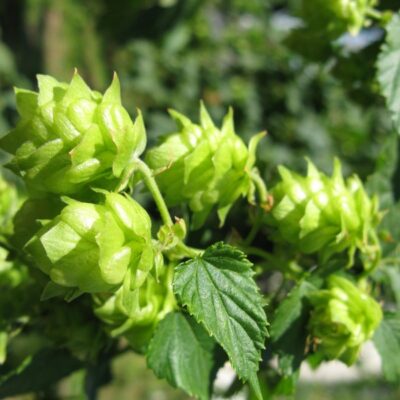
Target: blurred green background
171 54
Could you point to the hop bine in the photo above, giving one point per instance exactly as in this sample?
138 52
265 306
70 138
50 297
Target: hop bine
92 247
343 318
317 213
70 137
204 166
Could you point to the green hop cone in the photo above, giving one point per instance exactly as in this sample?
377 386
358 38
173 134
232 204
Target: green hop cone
70 137
204 166
343 318
338 16
93 247
317 213
135 313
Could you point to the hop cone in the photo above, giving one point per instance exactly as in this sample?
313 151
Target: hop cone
338 16
93 247
70 136
135 313
317 213
343 318
203 166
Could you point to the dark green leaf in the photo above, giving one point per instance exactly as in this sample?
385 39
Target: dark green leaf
219 290
38 372
181 351
380 182
389 69
289 328
290 310
387 342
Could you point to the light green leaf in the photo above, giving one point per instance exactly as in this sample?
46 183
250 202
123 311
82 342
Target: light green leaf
389 69
219 290
387 342
181 351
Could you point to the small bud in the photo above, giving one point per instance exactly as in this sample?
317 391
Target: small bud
135 313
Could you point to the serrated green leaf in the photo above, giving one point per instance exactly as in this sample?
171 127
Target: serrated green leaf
219 290
181 351
389 69
387 342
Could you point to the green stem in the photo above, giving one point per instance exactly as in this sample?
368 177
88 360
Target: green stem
255 228
151 184
373 13
261 188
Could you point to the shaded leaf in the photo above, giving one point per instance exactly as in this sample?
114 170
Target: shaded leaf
181 351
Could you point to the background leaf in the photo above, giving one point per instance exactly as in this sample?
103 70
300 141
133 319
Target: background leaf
387 342
39 372
389 69
181 351
289 328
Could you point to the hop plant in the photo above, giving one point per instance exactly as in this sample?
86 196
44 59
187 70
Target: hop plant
317 213
343 318
92 247
204 166
338 16
135 313
70 137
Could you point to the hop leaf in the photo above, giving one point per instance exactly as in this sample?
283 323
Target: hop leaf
203 166
70 136
92 247
317 213
343 318
135 313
